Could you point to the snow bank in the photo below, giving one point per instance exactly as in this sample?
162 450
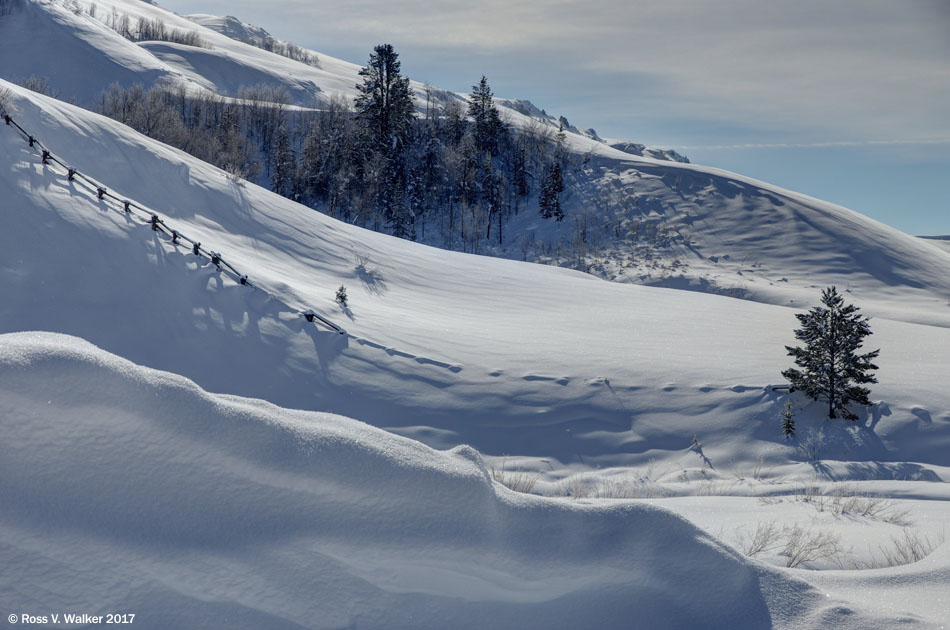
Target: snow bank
194 510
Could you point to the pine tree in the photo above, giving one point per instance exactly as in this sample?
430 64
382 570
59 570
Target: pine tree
341 296
284 164
553 184
490 185
520 170
384 109
484 114
384 105
788 420
830 369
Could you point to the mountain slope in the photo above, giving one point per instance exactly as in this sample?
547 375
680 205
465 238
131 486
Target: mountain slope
629 218
201 509
602 373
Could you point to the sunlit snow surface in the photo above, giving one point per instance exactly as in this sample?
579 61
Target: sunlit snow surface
124 488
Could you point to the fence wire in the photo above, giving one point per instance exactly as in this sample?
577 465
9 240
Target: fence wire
153 220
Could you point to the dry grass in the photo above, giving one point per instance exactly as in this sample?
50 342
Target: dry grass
845 501
906 548
519 481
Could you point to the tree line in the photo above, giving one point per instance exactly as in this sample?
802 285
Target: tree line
447 171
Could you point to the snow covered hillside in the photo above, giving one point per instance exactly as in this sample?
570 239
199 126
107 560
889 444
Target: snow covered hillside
629 218
571 368
193 510
182 442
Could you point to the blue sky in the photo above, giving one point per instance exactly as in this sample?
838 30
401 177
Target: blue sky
848 101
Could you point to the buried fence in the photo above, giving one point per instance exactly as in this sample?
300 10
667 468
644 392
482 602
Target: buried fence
152 219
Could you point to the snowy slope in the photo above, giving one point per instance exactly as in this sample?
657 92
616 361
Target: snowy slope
193 510
77 55
450 348
630 219
561 372
230 26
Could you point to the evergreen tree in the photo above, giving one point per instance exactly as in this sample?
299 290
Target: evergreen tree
551 189
520 170
491 196
484 114
384 109
284 164
553 184
788 420
455 125
830 369
384 105
312 173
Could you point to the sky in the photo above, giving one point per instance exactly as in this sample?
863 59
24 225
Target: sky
848 101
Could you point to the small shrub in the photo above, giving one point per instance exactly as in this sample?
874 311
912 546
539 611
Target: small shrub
806 545
810 446
908 547
6 102
341 296
765 537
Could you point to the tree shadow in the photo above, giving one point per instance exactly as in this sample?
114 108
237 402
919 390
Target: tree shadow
371 277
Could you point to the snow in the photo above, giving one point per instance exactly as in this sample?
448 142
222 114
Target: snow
211 511
223 510
230 26
641 220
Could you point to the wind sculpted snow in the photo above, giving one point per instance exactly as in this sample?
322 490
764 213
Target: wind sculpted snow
191 510
224 510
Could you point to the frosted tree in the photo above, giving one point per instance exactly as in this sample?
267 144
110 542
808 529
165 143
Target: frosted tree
829 367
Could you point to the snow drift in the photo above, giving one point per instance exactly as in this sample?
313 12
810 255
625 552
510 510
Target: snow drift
193 510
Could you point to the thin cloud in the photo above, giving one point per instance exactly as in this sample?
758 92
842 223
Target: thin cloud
859 68
808 145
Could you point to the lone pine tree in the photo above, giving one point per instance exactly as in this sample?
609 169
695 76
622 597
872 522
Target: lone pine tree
830 368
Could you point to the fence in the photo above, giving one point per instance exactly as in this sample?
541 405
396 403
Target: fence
152 219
